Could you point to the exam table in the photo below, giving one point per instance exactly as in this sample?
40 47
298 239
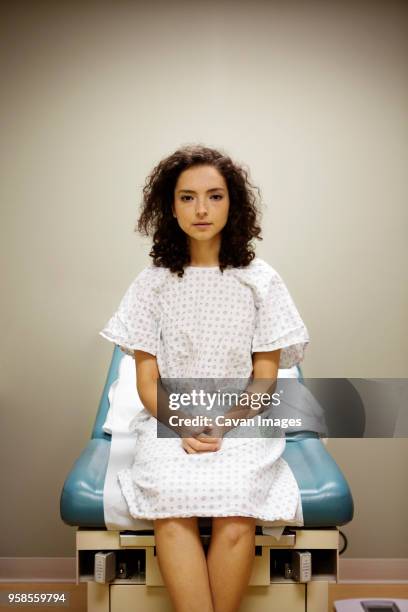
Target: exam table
326 502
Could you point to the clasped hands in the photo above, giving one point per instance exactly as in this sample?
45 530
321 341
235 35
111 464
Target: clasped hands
203 439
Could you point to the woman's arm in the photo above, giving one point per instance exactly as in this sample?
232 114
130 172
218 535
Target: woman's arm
150 389
265 374
147 375
148 386
266 365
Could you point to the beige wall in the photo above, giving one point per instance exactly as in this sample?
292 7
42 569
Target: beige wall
311 96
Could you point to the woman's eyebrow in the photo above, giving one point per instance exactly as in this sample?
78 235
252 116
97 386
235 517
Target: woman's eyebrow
208 190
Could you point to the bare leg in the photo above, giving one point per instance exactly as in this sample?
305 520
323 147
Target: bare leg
230 560
183 564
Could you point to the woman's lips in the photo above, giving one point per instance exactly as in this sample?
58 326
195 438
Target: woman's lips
202 224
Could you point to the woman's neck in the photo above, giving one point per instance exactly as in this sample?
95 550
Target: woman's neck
204 254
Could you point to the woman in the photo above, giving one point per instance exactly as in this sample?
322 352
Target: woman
206 308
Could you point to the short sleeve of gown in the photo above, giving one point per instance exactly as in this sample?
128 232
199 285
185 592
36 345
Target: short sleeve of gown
278 324
135 324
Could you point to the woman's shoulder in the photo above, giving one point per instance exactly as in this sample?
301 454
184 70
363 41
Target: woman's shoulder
258 275
150 277
258 270
260 266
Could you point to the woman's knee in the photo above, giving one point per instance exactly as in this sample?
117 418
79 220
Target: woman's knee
233 528
173 526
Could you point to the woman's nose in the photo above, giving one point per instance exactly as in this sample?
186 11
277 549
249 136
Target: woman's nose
201 207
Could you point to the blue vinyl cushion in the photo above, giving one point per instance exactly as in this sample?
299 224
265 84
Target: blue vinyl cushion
325 494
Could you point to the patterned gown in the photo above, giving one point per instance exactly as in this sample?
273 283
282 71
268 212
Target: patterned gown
206 325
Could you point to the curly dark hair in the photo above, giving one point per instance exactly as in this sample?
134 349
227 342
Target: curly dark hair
170 245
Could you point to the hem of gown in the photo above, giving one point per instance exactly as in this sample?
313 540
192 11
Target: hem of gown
124 475
126 346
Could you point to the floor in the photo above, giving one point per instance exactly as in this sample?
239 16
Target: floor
357 590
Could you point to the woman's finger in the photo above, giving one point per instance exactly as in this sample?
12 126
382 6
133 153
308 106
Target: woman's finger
187 446
192 445
207 439
203 446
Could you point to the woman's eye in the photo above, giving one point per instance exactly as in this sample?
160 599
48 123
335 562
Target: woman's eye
188 198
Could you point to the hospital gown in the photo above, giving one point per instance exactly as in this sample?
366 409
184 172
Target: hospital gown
206 325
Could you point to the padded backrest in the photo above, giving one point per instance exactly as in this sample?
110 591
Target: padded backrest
112 375
101 415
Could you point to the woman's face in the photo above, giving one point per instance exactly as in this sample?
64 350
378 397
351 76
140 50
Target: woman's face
201 202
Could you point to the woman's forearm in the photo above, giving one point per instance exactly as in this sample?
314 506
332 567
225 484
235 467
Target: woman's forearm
154 398
147 391
156 401
255 387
